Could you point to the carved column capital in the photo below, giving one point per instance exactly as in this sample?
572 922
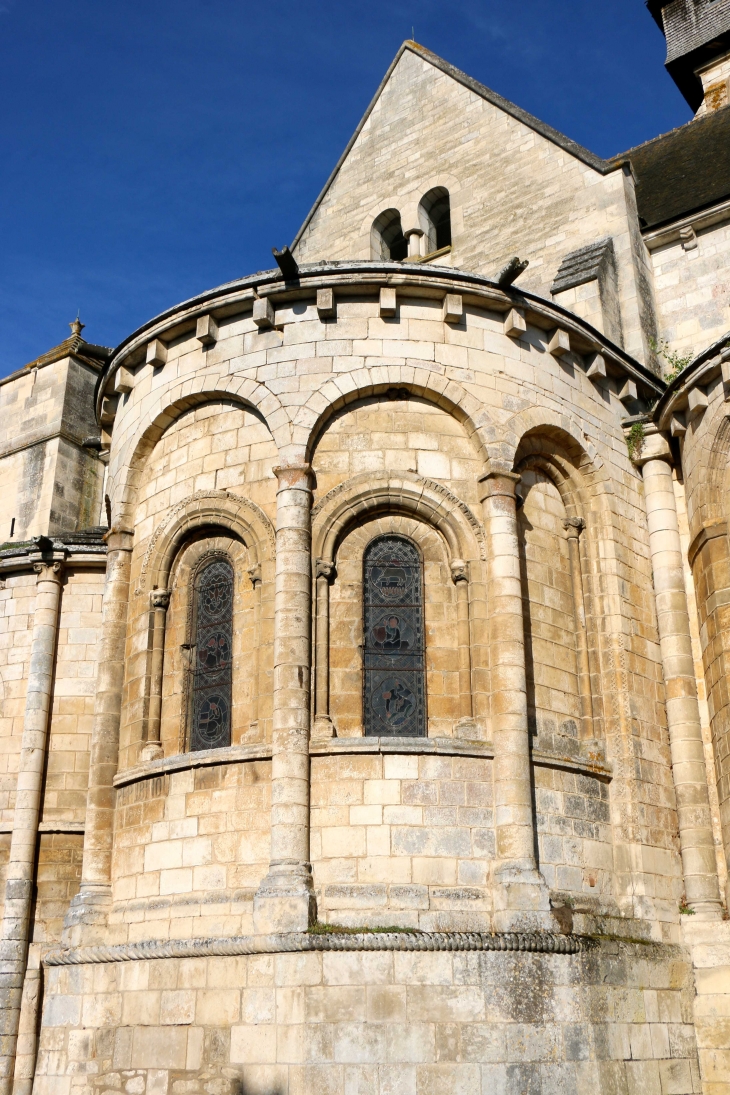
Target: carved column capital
573 526
254 573
48 571
294 476
324 568
160 598
459 571
498 482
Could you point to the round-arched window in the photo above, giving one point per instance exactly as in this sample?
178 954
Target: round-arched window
210 715
394 693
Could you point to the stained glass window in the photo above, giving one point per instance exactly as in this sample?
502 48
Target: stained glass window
394 700
212 656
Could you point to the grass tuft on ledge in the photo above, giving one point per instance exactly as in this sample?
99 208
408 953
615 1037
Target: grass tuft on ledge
340 929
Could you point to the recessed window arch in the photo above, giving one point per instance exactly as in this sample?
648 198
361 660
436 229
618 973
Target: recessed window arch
386 237
435 210
211 649
394 678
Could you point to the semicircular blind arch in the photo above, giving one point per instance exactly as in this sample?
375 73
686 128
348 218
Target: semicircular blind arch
394 699
213 655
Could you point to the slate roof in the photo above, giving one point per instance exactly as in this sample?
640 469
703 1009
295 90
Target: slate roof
683 171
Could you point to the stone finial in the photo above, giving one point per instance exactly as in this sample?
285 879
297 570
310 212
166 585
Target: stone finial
459 571
77 326
160 598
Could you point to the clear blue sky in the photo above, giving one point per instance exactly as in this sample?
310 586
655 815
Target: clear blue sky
155 148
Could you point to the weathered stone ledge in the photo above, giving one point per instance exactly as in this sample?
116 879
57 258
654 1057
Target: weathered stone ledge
535 942
448 747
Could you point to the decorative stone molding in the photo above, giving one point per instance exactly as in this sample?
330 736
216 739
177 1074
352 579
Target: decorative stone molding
403 491
459 571
304 942
221 505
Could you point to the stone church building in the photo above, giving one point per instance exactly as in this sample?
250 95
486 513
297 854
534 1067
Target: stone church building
365 634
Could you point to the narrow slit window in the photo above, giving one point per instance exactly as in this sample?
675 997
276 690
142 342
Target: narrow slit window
394 699
212 657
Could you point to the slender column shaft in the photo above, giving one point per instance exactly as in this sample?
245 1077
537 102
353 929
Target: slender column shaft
254 573
16 925
284 901
460 576
522 898
89 905
159 599
573 528
683 717
512 779
322 723
28 1033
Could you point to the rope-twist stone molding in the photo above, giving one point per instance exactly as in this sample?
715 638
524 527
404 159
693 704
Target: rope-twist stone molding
432 484
535 942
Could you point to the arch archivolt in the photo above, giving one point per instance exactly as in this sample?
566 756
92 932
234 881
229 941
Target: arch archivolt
173 403
368 494
203 510
348 388
535 427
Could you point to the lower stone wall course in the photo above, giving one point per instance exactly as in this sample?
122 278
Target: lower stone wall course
614 1019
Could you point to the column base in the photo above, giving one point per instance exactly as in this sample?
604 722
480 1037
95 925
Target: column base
521 900
87 917
152 751
284 901
323 728
466 727
706 910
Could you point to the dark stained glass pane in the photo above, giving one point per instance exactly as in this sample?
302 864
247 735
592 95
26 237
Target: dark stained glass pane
394 701
211 699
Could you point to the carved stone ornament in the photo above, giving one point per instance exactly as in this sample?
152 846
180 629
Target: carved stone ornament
573 525
324 569
160 598
459 571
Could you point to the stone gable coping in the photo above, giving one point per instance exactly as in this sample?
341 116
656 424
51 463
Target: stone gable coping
603 167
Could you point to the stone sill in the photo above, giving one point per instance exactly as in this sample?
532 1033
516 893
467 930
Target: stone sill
445 747
50 827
